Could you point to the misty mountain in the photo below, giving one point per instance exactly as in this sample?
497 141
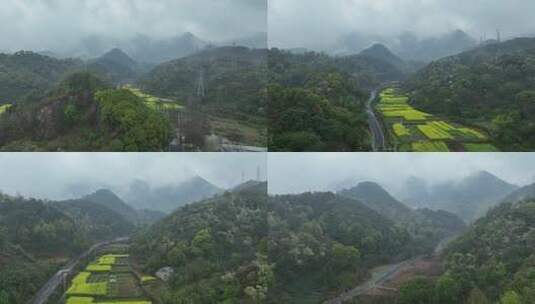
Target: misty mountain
376 198
429 49
381 52
469 198
255 41
97 221
376 68
427 226
169 198
115 66
142 48
521 194
110 200
408 45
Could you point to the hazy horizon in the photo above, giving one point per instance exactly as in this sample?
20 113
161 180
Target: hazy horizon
325 22
292 174
50 175
59 25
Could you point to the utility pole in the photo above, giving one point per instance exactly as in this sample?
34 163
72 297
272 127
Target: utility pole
258 173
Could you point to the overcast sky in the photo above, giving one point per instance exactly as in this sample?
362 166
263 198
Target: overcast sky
45 24
313 23
301 172
47 175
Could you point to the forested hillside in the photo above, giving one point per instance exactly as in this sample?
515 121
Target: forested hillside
35 239
321 244
427 227
224 89
489 87
314 106
217 248
25 75
234 79
493 262
83 114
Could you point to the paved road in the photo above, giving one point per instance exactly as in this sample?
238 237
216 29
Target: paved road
378 137
382 274
379 276
55 281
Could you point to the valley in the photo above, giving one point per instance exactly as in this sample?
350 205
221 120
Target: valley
207 100
444 105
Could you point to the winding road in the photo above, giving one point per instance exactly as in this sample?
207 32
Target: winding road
379 276
378 137
383 273
55 281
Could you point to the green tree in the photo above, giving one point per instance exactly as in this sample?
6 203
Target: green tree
416 291
511 297
477 296
447 290
202 243
4 297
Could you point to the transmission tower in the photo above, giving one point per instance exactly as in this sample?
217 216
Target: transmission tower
498 35
200 85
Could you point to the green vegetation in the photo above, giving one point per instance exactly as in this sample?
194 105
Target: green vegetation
492 263
414 130
233 105
83 114
488 87
430 146
400 130
26 76
314 106
5 107
217 248
154 102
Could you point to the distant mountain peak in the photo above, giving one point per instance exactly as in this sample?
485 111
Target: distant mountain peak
382 52
118 56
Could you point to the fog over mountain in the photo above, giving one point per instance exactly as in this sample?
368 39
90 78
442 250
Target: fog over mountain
326 23
62 25
290 173
71 175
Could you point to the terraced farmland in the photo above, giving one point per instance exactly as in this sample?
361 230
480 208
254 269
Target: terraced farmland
153 101
107 280
412 130
4 107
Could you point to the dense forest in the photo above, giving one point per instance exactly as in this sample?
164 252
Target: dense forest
217 247
313 106
489 87
492 263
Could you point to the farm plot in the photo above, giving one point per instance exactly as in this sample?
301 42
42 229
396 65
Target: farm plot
107 280
5 107
414 130
155 102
